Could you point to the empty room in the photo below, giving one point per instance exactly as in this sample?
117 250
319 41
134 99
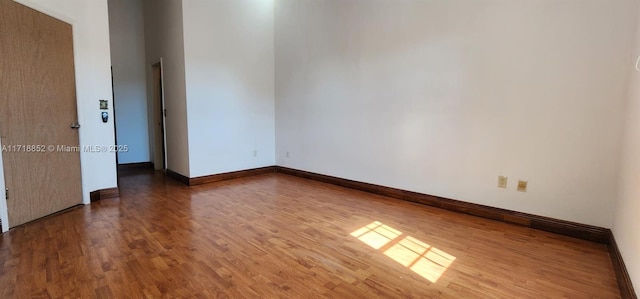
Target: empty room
319 148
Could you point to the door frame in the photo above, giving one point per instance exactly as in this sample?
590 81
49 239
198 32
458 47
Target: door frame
4 214
163 134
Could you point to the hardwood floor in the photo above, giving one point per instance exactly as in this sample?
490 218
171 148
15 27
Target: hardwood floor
278 236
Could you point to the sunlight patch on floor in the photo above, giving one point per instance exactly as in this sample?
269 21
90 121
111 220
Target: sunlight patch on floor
376 234
422 258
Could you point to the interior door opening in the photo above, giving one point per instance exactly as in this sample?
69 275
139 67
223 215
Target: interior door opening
159 115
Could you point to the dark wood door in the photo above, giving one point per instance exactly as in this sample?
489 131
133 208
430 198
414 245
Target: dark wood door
37 106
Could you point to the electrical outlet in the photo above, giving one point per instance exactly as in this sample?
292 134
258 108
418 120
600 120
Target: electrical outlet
522 186
502 181
287 154
255 153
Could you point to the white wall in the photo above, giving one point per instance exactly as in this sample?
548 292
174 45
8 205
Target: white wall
229 62
443 96
164 38
93 82
126 32
626 220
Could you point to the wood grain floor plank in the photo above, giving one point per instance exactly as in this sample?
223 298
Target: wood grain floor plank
278 236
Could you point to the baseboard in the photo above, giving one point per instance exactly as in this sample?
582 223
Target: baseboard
178 177
230 175
138 165
219 177
562 227
104 194
622 275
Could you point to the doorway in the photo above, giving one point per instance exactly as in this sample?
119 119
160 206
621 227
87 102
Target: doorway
38 119
159 115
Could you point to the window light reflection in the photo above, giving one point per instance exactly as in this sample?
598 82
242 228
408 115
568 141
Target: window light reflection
420 257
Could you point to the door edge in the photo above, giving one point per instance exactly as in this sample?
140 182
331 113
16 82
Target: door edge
4 213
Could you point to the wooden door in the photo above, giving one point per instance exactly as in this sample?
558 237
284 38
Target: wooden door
37 107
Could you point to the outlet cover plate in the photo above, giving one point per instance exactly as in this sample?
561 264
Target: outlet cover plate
522 186
502 181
